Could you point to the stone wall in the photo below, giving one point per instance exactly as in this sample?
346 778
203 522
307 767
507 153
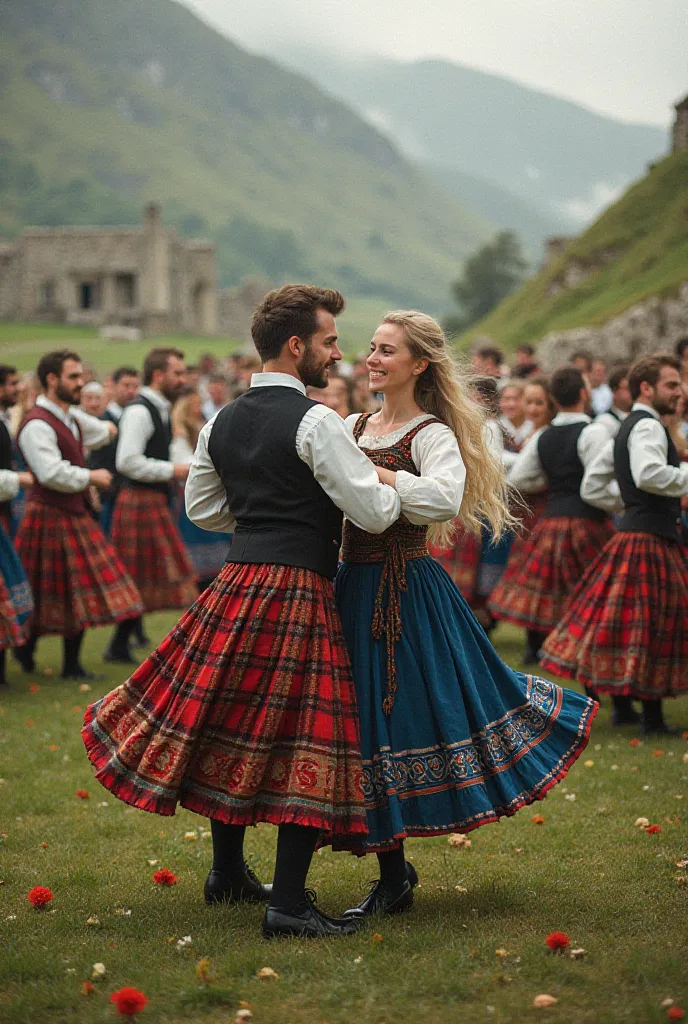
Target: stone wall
647 327
235 307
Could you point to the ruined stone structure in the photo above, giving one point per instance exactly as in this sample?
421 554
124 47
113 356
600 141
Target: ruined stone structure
554 247
679 135
146 277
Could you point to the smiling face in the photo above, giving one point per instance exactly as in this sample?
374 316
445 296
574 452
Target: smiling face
536 405
319 352
511 405
391 366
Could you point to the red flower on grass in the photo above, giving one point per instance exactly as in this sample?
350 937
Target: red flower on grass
82 794
128 1001
634 742
675 1013
652 830
164 877
557 941
39 896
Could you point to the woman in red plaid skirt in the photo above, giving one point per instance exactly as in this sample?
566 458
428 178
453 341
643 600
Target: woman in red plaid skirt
543 574
626 629
75 576
246 712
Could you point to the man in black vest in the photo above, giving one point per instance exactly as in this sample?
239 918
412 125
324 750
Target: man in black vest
125 386
246 712
143 530
626 630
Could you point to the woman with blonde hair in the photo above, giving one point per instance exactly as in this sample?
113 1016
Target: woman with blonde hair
451 738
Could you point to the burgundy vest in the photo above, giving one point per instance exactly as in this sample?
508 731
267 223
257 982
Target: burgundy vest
72 451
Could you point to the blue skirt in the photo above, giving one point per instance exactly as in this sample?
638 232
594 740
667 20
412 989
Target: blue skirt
15 581
468 740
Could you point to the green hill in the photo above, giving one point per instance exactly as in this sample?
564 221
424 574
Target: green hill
637 248
109 103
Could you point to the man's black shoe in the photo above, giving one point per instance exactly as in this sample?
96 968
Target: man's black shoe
119 654
629 717
306 922
25 658
381 900
659 729
78 674
246 888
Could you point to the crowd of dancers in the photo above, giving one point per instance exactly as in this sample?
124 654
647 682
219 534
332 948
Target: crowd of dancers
360 714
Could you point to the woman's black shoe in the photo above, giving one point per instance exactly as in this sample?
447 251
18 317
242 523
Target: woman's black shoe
380 900
246 888
306 922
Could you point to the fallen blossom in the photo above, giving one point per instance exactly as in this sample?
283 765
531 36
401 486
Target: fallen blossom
685 757
164 877
123 912
244 1014
682 879
93 922
589 764
191 836
459 841
185 941
358 959
635 742
11 917
645 789
683 863
642 822
85 688
129 1001
53 747
376 938
48 672
153 863
652 830
570 796
266 972
658 753
501 952
34 688
204 971
460 888
666 1002
98 971
538 819
83 794
557 941
44 846
87 988
615 767
39 897
543 1001
29 723
675 1013
577 954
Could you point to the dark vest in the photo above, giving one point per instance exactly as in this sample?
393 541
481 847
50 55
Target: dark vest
645 513
158 446
558 453
105 458
6 462
283 515
71 450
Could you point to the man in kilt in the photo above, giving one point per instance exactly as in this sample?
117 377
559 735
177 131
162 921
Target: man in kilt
143 529
626 629
75 576
246 712
538 583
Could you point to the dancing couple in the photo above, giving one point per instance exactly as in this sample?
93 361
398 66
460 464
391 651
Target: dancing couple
356 714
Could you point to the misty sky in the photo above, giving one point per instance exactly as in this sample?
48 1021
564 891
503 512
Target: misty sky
626 58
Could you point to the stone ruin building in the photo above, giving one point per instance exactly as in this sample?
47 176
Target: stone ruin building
679 134
145 277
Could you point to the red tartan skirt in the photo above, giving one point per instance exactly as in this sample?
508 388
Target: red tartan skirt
538 584
246 712
626 628
75 576
149 544
461 561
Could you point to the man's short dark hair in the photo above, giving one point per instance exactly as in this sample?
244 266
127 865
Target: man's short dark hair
123 371
5 372
567 383
526 348
648 369
583 353
681 346
617 376
52 362
490 352
157 359
291 311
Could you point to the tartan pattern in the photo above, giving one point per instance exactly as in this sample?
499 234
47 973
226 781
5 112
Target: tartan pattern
246 712
149 544
626 628
75 576
10 632
537 585
461 561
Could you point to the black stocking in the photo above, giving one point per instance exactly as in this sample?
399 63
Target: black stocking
392 869
72 647
228 848
295 848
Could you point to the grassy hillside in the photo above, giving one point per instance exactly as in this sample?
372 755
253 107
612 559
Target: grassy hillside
106 105
637 248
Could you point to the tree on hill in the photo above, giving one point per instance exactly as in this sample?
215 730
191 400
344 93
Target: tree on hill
492 273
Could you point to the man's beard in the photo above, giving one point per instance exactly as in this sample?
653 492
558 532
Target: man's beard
311 373
67 394
171 391
663 408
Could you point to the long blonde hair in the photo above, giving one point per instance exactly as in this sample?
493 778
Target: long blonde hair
443 390
184 424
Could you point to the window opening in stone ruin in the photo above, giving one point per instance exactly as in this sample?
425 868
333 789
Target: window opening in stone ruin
46 295
88 295
125 291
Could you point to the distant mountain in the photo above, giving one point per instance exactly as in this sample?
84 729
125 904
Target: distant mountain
637 248
560 159
109 103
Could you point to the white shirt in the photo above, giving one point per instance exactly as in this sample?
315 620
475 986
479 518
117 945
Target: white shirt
38 445
526 473
115 409
494 439
434 496
9 484
136 428
210 408
518 434
322 441
181 451
602 398
610 424
648 452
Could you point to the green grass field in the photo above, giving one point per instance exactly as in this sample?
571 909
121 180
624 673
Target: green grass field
472 949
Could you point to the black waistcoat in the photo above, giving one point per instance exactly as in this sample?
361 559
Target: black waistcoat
645 512
105 458
6 462
158 446
283 515
558 454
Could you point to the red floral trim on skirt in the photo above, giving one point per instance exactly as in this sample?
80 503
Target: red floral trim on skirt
626 628
536 586
246 712
151 547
